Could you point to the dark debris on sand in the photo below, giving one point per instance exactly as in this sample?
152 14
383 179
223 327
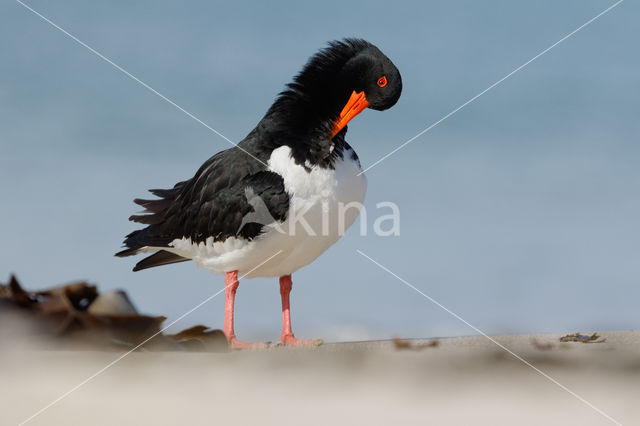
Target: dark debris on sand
582 338
77 314
402 344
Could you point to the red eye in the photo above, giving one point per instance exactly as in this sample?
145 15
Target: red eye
382 81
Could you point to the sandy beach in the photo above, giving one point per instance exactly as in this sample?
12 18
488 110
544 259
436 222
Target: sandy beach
467 380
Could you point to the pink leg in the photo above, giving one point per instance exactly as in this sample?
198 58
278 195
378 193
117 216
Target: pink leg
287 338
231 284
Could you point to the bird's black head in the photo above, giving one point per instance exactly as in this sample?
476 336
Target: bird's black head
371 72
336 84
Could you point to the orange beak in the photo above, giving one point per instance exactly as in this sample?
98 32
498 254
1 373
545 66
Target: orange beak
356 103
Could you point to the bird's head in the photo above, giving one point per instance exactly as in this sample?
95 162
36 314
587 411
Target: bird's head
370 80
338 83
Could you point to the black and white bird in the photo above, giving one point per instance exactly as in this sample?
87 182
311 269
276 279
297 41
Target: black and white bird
285 193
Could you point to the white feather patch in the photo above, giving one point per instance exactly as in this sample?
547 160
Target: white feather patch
315 196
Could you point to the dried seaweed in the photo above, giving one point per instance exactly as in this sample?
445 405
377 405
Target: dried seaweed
77 313
402 344
201 338
582 338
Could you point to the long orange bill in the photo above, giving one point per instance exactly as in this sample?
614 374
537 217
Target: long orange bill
356 103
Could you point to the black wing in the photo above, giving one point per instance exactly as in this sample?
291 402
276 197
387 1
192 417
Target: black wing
211 204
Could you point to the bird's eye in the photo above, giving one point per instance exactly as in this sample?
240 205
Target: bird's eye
382 81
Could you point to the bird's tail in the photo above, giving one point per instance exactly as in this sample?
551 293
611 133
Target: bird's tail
153 215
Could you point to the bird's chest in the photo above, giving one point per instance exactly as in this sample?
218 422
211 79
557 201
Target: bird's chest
327 199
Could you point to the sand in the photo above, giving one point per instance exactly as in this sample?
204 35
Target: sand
461 381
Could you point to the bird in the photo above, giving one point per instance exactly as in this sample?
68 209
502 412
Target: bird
283 195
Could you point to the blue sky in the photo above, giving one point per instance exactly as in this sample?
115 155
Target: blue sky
520 212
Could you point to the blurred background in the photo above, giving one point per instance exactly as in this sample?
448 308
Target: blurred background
520 213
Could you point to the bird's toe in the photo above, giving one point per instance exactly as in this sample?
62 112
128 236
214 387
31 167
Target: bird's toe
289 340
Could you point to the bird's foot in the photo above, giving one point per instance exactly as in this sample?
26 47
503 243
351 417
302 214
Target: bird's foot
237 344
289 340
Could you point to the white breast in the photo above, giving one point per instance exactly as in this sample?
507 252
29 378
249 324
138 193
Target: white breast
324 203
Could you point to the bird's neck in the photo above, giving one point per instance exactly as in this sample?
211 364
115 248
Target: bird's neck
303 114
303 121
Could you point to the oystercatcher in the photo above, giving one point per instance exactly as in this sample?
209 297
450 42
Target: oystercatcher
285 193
